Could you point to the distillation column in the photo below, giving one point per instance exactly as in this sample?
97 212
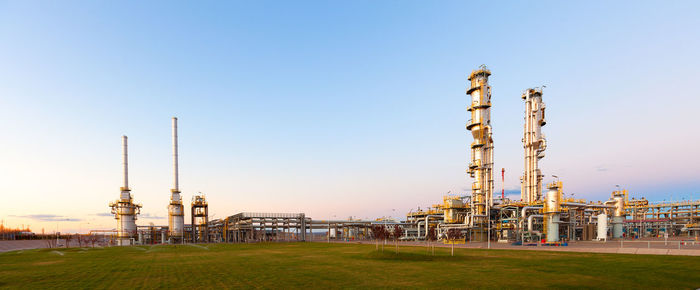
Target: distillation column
481 165
176 212
124 209
534 144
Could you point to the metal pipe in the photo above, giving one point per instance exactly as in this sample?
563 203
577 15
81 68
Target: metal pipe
529 221
491 183
524 214
427 223
587 205
526 208
574 204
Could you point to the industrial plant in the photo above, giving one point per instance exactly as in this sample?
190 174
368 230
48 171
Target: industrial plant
541 216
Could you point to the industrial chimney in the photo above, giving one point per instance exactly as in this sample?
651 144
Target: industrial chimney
176 218
124 209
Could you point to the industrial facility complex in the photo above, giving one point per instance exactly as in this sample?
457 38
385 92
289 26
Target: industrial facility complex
542 215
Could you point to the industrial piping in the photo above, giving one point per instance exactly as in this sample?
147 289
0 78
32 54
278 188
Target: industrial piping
523 213
529 221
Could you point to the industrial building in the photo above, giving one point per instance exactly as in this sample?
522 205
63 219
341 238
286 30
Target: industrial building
537 217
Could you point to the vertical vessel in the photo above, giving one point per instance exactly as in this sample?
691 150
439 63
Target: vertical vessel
534 144
124 209
176 213
618 201
602 227
552 209
481 165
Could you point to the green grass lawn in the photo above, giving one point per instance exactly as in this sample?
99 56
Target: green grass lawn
320 265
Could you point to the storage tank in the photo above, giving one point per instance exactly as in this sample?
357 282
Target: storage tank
602 227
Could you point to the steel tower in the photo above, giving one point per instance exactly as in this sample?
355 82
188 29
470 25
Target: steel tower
481 165
535 144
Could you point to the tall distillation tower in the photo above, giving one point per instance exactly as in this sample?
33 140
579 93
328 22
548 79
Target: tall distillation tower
534 144
481 165
124 209
176 212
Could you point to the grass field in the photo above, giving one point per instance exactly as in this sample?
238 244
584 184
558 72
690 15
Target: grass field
320 265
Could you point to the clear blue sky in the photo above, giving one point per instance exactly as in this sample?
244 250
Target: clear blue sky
334 108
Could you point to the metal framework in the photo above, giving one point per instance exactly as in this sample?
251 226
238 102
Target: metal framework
200 219
249 227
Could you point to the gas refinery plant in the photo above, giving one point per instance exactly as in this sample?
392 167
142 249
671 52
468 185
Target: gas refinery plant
479 216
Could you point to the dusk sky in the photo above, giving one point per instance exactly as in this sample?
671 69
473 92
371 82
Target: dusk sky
334 109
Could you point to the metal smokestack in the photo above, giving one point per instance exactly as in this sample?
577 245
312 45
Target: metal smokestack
125 163
176 184
176 212
124 209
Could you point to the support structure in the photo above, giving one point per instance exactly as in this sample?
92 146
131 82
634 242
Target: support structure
248 227
200 219
124 209
535 144
481 165
176 212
